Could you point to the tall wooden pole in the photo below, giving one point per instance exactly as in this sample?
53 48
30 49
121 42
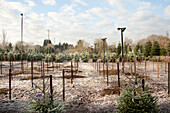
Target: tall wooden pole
118 76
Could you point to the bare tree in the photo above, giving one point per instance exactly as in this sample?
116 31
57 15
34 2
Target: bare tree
167 34
4 35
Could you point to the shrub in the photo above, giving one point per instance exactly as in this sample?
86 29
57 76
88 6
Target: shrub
38 106
134 100
94 58
41 101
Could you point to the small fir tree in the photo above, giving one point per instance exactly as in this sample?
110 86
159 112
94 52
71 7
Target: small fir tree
155 51
118 50
148 47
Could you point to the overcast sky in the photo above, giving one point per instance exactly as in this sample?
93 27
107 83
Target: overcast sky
71 20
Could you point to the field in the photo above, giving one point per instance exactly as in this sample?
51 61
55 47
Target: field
89 91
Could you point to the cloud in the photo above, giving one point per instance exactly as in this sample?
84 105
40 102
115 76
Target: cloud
118 4
167 10
144 5
30 3
15 6
68 24
80 2
49 2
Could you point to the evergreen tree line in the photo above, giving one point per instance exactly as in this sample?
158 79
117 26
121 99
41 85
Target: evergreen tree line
148 49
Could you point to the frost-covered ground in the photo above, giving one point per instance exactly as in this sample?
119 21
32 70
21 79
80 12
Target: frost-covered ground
86 95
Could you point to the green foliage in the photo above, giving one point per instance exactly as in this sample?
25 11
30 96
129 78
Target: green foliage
118 50
168 49
60 58
61 47
10 56
113 58
134 100
147 50
46 42
37 105
155 49
163 51
94 58
85 58
68 57
41 101
76 57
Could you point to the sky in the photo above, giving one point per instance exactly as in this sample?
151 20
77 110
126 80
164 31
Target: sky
72 20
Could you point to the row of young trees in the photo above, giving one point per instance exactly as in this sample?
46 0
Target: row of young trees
48 49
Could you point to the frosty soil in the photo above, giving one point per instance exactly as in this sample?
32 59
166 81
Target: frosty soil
86 96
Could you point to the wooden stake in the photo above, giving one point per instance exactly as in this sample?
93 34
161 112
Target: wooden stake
153 64
135 70
168 79
145 65
10 84
158 68
118 76
165 65
43 84
1 67
107 75
143 84
32 72
131 66
63 86
51 90
71 73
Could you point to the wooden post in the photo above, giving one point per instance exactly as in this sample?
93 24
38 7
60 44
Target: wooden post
112 63
161 63
165 65
51 90
103 69
10 64
168 79
145 65
135 70
99 67
47 66
41 67
53 65
158 68
32 72
143 84
10 84
43 84
153 64
77 63
118 76
71 72
107 75
131 66
63 86
1 67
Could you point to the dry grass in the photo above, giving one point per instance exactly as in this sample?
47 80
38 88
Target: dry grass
74 76
110 72
21 72
34 77
110 91
4 91
139 76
